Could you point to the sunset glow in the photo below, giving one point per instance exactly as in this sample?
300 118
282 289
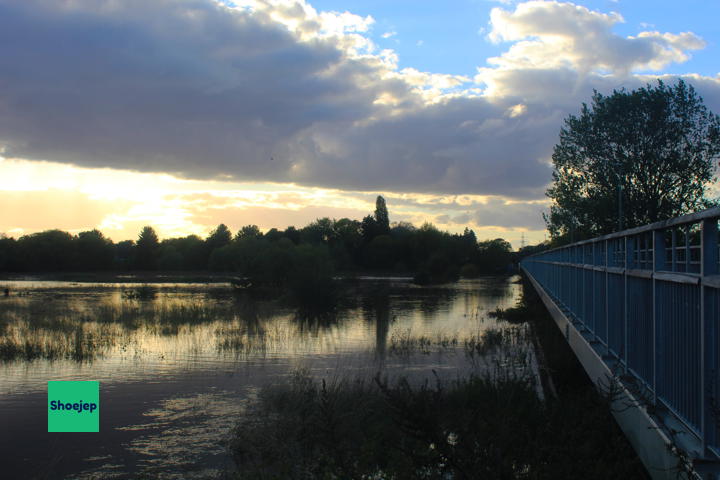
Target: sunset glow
278 113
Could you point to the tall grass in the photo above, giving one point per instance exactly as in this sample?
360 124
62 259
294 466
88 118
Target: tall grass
466 428
82 331
405 343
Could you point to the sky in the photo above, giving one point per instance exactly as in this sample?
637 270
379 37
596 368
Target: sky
183 114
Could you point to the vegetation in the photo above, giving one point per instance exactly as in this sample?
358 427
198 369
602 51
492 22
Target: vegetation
297 260
630 159
471 427
478 425
33 329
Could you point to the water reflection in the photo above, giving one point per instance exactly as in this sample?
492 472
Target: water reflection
167 349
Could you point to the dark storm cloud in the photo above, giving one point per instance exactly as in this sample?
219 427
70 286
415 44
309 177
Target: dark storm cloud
200 90
185 87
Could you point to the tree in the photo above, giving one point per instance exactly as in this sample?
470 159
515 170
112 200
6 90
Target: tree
369 228
381 216
193 251
319 231
249 231
293 234
95 252
494 255
146 249
273 235
219 237
632 158
48 251
8 254
125 255
169 258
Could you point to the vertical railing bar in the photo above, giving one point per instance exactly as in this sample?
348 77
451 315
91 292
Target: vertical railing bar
673 253
708 342
687 248
659 259
607 294
629 244
703 426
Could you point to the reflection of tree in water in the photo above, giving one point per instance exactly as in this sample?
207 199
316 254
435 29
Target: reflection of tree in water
495 287
376 308
433 299
314 320
252 314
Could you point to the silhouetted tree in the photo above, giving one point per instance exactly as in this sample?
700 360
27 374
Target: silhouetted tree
649 152
192 249
248 231
293 234
219 237
319 231
273 235
9 258
271 260
146 249
95 252
494 255
125 255
382 220
169 258
48 251
380 253
346 250
224 259
369 228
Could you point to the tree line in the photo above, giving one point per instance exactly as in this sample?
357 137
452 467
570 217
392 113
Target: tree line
344 245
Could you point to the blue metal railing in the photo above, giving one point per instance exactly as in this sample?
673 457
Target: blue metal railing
649 297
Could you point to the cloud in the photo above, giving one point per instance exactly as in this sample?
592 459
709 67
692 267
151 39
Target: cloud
266 218
275 91
499 213
549 34
496 212
389 34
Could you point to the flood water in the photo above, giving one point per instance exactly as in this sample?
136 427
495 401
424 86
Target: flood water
178 363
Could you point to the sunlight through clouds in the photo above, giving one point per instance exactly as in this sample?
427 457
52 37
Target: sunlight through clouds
286 110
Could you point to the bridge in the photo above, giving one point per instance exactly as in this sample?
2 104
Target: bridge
640 309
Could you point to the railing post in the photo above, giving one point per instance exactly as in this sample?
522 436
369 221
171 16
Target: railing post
607 295
658 265
708 335
629 251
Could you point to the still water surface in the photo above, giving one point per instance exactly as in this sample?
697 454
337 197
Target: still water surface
177 363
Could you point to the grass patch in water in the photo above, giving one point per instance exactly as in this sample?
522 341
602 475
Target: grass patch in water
405 343
44 328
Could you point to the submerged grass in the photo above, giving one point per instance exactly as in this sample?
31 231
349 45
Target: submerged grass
80 343
405 343
516 314
53 329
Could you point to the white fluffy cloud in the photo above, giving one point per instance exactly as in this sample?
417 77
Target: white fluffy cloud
550 35
277 91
